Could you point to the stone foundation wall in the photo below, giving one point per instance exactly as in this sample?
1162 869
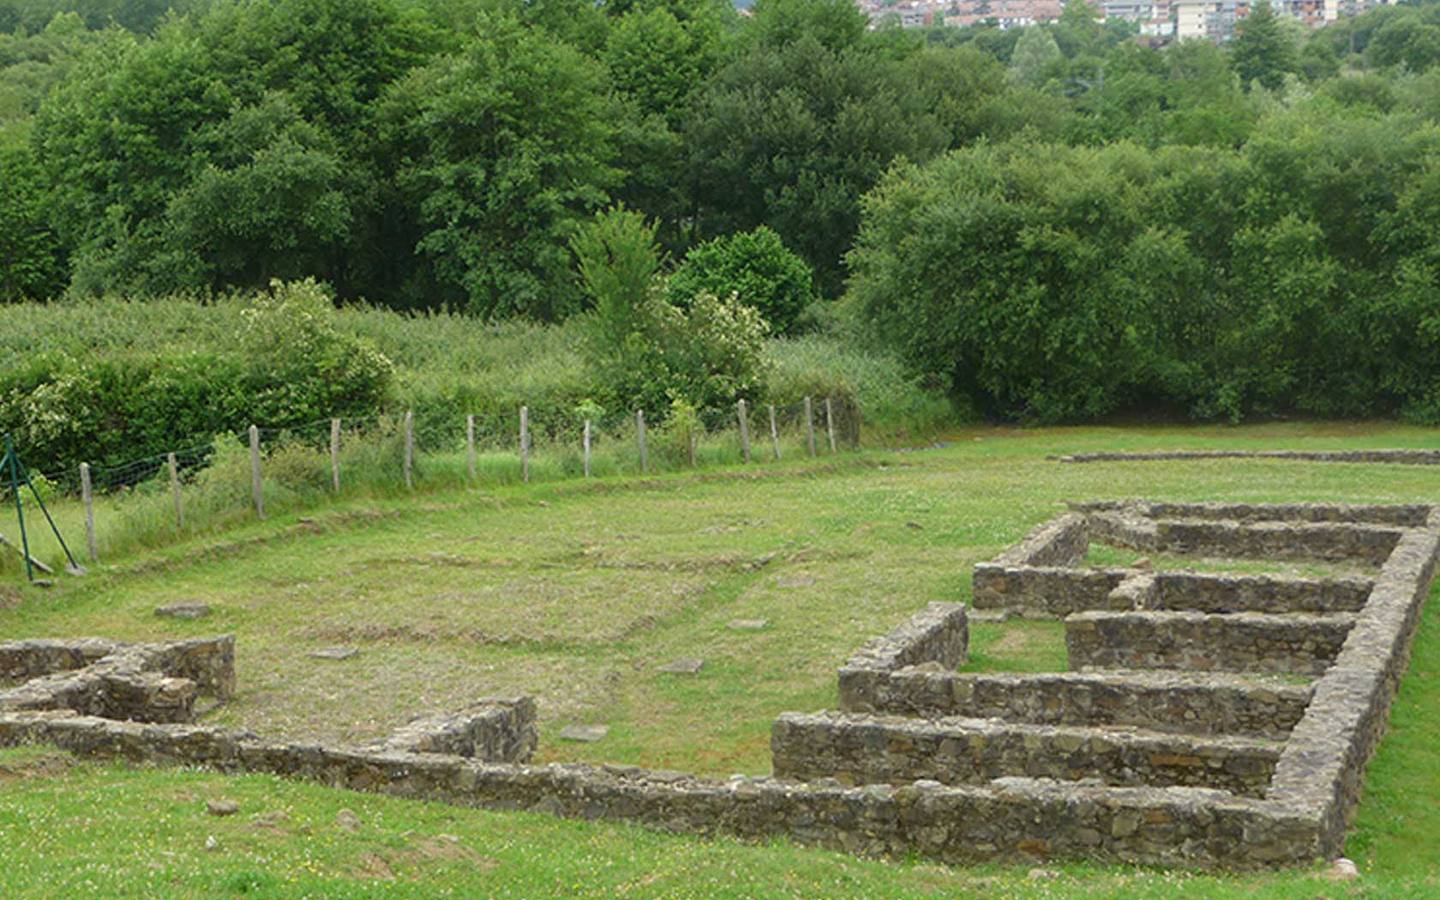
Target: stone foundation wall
1368 544
1195 703
940 633
1309 787
497 729
1015 818
22 660
1400 457
140 682
1056 592
1323 766
1201 642
1062 541
891 750
1199 592
1051 591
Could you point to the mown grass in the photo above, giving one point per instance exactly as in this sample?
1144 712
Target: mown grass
576 592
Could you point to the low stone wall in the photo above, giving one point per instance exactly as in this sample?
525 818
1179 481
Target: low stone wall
1049 591
497 729
1202 592
940 633
1013 818
1195 703
1056 592
141 682
891 750
1400 457
1323 766
1062 541
1404 515
21 660
1369 544
1202 642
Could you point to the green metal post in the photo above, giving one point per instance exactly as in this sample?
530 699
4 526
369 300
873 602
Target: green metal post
75 567
14 462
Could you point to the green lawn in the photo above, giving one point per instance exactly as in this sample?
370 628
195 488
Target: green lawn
576 593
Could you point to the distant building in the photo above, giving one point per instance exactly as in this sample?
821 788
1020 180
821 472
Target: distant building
1156 19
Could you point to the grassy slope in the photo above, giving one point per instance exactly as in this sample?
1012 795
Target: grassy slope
576 593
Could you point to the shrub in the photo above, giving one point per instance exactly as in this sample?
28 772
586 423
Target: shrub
646 352
754 265
288 366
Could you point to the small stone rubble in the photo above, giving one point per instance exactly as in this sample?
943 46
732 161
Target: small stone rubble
1161 756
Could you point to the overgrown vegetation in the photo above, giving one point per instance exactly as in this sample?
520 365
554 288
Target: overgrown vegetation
1195 230
120 380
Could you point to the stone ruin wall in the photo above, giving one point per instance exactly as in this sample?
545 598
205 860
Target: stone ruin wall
1196 769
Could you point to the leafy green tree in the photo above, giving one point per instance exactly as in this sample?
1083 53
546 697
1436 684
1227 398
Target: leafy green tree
30 257
756 266
835 25
1405 41
653 59
133 144
139 16
619 265
275 199
794 130
1264 50
1030 277
658 55
501 150
648 353
1035 57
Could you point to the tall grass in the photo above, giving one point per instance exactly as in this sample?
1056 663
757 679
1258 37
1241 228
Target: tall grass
297 478
449 366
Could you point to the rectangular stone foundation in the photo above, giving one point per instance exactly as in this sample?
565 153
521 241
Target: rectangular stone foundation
1203 642
1312 792
1193 703
873 749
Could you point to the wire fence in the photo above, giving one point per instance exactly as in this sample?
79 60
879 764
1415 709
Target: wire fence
206 480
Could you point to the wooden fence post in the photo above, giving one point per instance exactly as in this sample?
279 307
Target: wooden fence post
257 487
830 424
470 445
810 425
774 433
89 500
525 442
587 448
744 431
335 454
640 436
175 490
409 449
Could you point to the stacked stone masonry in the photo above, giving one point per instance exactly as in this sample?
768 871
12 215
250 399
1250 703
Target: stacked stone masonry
1192 641
1400 457
892 750
143 682
1194 703
1138 764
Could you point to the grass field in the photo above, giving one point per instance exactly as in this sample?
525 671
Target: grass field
577 592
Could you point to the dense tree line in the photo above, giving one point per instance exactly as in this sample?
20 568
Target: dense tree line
1060 222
